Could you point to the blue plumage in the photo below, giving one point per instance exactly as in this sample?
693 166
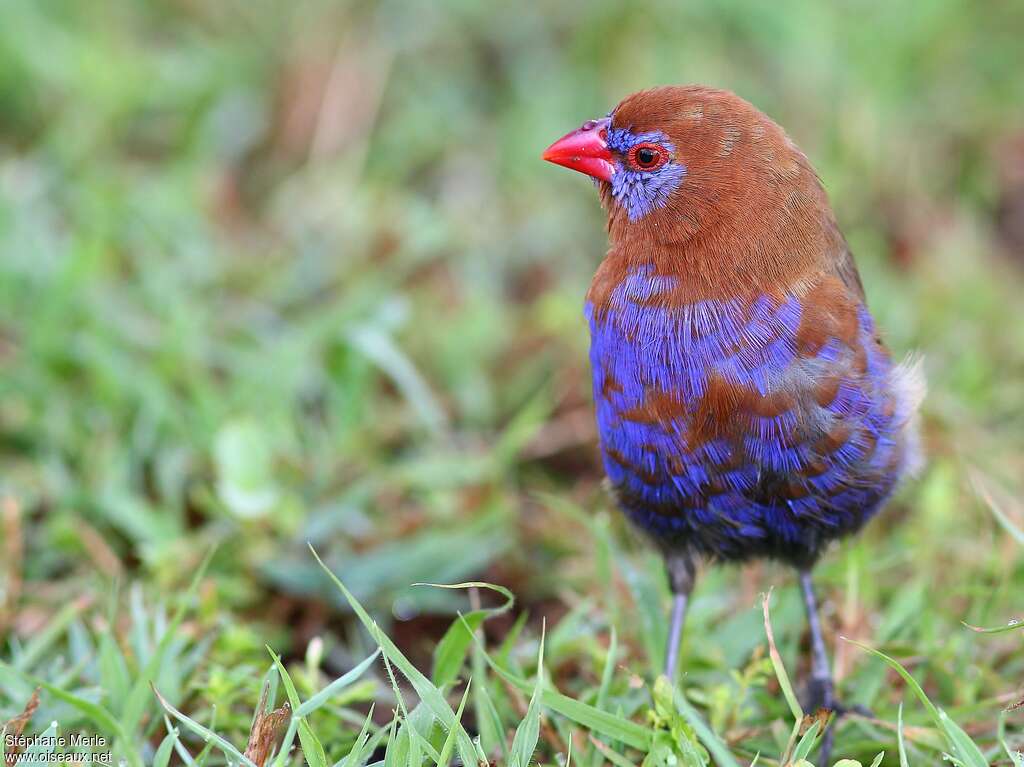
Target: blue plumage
763 485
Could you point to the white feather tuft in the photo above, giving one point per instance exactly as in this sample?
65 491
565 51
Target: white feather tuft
910 387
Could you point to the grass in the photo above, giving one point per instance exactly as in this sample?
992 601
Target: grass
284 274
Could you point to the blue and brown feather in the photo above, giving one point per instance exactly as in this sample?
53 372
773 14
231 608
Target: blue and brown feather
744 428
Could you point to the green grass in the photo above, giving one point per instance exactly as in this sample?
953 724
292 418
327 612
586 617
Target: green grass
284 274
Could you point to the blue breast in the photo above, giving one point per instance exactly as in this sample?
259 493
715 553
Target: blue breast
778 484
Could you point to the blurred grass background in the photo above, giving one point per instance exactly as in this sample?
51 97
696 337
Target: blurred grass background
273 273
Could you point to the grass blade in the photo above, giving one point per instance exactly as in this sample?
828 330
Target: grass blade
803 748
782 676
335 687
56 627
208 735
965 747
1016 757
135 705
427 692
901 744
524 743
608 671
163 752
615 758
602 691
450 653
961 744
312 748
491 729
113 670
449 741
1013 625
777 665
99 715
995 498
379 347
722 756
289 685
617 728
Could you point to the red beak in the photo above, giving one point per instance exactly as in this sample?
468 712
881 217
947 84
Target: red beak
585 150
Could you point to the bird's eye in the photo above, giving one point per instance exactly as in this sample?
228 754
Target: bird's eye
647 156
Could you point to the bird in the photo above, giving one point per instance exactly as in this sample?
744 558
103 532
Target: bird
746 404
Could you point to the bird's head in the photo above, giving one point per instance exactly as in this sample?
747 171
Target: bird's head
638 163
700 169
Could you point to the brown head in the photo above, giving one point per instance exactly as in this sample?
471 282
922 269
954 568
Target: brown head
703 186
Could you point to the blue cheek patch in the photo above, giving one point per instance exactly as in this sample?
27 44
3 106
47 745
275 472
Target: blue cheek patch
640 192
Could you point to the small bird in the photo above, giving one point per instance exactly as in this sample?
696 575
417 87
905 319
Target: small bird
746 405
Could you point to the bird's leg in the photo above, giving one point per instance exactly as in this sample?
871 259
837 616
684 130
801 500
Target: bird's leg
680 580
821 692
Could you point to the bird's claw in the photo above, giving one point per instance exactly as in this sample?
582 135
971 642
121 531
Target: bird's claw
857 708
821 695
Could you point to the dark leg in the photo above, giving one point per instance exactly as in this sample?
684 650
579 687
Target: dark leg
821 692
680 580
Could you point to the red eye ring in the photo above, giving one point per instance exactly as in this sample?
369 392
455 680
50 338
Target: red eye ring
647 156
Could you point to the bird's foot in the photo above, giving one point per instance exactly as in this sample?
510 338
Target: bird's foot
821 694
